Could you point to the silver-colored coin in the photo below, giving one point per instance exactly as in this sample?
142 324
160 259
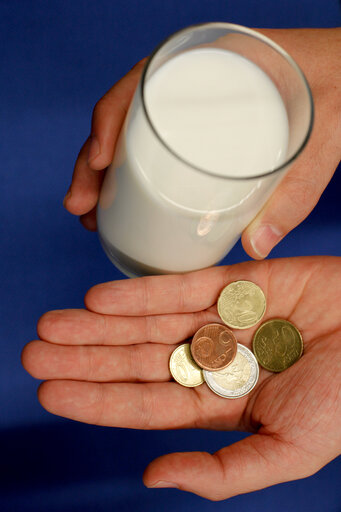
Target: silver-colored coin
237 379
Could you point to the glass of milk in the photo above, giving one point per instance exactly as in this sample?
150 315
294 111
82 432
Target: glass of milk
218 117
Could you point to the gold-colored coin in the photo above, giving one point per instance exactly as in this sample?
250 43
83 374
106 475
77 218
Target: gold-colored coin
241 304
183 367
277 344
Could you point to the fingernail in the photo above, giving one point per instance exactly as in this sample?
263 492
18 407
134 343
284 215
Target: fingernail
67 196
94 148
161 483
264 239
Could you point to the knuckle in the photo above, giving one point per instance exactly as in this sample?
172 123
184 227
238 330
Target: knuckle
99 408
301 191
145 293
102 106
216 496
184 290
99 105
146 408
298 197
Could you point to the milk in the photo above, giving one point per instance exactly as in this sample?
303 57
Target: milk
186 182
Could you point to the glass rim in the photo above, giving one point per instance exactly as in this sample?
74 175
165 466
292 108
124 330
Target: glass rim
257 35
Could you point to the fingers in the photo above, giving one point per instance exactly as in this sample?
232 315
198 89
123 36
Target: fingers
86 183
154 295
97 152
144 406
89 219
289 205
255 462
135 363
81 327
108 117
301 188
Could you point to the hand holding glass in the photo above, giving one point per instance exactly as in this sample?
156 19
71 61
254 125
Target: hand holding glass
219 115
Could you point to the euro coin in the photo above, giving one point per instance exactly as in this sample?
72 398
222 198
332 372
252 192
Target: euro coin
183 368
241 304
213 347
237 379
277 344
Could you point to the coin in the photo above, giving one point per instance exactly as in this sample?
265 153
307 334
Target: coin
213 347
277 344
183 368
241 304
238 379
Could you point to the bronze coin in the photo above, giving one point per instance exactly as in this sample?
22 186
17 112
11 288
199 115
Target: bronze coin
213 347
277 344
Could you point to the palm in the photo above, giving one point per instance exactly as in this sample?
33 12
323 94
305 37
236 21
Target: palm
110 366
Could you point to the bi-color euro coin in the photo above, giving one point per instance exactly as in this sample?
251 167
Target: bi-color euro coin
237 379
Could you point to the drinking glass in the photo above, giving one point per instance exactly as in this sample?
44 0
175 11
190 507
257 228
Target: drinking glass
180 217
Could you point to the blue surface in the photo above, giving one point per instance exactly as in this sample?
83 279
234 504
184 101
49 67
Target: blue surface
57 59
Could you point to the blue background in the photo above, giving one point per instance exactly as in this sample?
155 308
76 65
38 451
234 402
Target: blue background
57 59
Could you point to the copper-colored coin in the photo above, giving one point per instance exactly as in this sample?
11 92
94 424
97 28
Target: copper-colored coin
213 347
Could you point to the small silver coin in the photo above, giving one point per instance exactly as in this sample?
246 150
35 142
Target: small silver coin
237 379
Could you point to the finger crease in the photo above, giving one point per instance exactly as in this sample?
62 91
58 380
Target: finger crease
146 407
103 331
182 294
136 363
89 353
100 402
145 295
218 458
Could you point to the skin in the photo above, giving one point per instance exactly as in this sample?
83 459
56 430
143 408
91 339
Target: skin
108 365
317 52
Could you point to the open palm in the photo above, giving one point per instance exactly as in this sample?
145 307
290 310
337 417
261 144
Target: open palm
108 365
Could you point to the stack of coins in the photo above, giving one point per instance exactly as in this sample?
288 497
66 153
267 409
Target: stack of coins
229 368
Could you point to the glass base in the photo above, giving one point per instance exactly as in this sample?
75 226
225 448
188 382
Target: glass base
127 265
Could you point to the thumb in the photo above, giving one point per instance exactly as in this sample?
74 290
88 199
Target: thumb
255 462
299 191
288 206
